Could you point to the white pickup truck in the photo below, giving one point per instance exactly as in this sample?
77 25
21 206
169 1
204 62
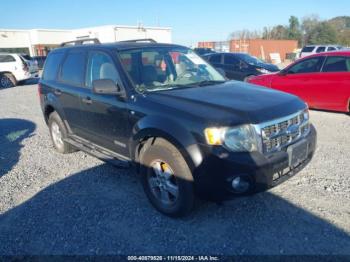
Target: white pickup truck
15 68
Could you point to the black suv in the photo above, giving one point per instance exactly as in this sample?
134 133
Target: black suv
188 131
239 66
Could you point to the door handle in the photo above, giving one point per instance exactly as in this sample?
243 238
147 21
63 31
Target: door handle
58 92
87 100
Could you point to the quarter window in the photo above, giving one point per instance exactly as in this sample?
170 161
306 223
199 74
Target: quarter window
73 68
100 66
337 64
311 65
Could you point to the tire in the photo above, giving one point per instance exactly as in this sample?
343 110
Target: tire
58 133
7 80
164 157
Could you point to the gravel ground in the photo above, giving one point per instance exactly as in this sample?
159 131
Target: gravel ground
76 204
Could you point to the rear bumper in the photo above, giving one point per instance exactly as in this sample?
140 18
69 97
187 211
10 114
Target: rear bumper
213 178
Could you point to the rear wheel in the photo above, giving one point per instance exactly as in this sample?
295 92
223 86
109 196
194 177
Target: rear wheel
58 132
7 80
166 178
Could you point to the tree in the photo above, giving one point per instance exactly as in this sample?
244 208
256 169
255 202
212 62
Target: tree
245 34
323 33
308 25
277 32
294 31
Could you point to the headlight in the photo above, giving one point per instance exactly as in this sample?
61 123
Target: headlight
263 70
236 139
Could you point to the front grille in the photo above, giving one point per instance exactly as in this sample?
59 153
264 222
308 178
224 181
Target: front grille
280 133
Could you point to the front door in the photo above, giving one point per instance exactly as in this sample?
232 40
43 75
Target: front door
232 67
105 117
301 79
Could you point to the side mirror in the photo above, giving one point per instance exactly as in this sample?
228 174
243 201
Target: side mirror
106 87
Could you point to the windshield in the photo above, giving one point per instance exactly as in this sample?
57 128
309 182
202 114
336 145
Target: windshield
251 60
154 69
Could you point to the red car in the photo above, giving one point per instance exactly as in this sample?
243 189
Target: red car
321 80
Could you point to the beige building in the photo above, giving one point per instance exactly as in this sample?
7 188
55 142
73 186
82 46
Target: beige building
37 42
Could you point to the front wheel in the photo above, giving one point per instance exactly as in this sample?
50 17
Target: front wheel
166 178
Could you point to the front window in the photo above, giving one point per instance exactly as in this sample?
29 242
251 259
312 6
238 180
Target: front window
311 65
153 69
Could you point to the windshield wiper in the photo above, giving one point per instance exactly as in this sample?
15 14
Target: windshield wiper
208 82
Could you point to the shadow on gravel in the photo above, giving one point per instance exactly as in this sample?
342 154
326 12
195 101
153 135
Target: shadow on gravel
104 211
12 132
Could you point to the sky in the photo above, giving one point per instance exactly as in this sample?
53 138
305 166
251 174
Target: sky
191 21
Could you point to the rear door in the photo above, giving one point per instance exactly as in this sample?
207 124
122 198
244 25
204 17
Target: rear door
301 79
69 85
333 90
104 117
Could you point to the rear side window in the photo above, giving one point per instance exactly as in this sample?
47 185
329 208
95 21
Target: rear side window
308 49
310 65
331 48
51 66
73 68
7 58
337 64
216 59
320 49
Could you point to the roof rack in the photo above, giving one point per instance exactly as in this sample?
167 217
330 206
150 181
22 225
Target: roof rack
140 40
81 42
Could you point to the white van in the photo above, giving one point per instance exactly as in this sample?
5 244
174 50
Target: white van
314 49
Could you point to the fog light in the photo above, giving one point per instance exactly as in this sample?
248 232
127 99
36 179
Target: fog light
240 184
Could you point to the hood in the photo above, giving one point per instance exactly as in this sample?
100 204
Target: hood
269 67
232 102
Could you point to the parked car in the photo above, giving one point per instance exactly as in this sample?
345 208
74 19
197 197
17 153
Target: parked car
315 49
14 68
40 60
32 63
187 130
240 66
203 51
322 80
